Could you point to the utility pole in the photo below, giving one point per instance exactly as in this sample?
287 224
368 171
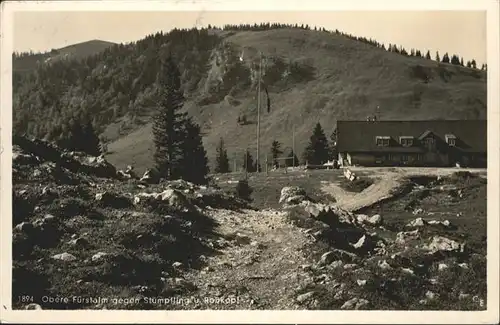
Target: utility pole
293 145
258 112
246 164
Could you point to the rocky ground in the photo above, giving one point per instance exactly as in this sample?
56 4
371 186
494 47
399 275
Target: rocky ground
88 237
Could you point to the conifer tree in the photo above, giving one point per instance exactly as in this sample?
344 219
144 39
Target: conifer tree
428 55
317 152
221 160
75 135
333 145
248 163
446 58
276 152
91 143
438 59
168 121
194 162
292 160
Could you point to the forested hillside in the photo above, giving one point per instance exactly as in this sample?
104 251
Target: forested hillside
311 75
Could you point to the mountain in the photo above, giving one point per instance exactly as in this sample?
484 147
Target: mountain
71 52
311 75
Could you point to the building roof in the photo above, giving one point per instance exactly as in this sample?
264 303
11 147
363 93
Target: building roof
359 136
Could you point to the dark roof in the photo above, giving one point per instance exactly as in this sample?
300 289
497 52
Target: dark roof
359 136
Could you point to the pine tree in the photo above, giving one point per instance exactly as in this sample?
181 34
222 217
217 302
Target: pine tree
428 55
194 162
333 145
438 59
446 58
248 163
168 122
276 152
317 152
75 136
243 190
221 160
473 64
292 160
455 60
91 145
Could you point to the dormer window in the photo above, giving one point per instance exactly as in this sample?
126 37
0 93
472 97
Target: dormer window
429 141
450 139
383 141
406 141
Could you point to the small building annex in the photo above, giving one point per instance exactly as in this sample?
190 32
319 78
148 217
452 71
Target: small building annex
432 143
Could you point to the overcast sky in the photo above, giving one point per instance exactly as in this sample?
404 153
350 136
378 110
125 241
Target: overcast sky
460 32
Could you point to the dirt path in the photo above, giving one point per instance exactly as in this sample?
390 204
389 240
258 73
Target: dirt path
260 263
386 180
379 190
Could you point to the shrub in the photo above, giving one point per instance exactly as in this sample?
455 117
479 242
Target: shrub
243 190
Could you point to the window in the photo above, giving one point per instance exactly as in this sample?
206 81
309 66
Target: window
450 139
383 141
404 158
406 141
429 142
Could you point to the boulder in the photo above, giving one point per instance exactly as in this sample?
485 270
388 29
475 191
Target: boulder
444 223
403 236
292 195
443 244
242 239
419 222
108 199
375 220
176 199
327 258
66 257
98 256
337 254
355 303
384 265
79 242
33 306
304 297
364 244
361 218
24 227
99 166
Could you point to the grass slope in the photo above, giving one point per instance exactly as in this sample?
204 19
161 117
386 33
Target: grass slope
350 80
75 51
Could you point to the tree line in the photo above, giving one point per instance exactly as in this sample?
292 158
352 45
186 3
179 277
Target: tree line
318 151
455 58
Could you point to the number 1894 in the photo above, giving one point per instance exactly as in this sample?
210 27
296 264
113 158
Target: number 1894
25 298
